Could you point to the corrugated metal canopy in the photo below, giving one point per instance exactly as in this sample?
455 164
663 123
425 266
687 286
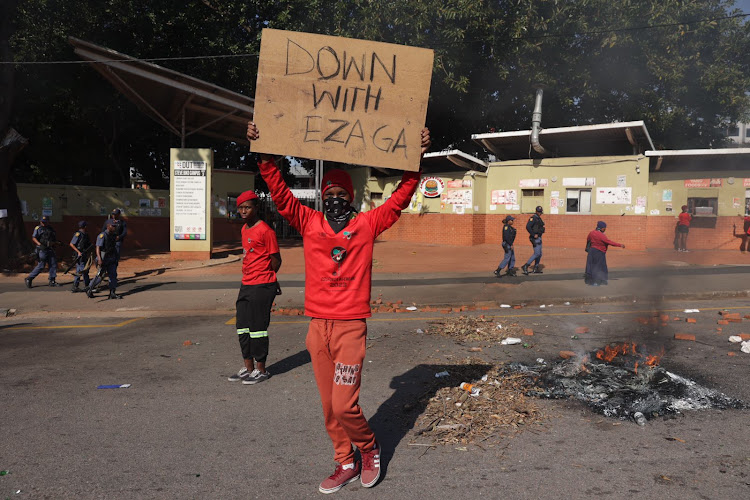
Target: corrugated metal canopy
607 139
181 103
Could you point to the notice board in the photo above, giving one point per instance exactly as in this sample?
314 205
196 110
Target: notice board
341 99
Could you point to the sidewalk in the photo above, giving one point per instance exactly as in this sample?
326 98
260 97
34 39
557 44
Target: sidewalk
421 274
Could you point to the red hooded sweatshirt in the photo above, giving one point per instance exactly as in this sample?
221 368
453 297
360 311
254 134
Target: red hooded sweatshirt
338 266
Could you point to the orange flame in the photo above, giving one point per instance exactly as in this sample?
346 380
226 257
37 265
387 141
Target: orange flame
610 352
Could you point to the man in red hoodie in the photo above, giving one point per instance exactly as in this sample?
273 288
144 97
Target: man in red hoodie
338 244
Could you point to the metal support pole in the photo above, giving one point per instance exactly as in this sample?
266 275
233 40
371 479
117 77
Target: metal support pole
318 180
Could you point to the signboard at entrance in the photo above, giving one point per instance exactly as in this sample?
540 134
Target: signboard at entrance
703 183
341 99
189 180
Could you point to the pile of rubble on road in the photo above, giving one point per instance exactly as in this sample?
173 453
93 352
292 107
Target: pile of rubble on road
473 329
476 402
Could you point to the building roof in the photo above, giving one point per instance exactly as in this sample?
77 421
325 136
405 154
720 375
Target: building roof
451 161
608 139
725 158
182 104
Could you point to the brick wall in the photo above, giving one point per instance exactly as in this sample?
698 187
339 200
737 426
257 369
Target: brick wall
563 231
143 232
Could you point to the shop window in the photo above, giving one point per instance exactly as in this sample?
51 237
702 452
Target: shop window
703 207
747 202
578 201
537 193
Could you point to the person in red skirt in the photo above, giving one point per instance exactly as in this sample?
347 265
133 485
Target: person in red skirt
338 245
597 272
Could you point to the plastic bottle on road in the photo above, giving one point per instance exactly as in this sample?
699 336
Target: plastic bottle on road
639 418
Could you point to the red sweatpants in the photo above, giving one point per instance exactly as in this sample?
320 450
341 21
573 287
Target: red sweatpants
337 349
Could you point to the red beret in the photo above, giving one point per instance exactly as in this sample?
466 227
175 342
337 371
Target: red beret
246 196
337 178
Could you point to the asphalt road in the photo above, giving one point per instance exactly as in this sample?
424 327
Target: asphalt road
183 431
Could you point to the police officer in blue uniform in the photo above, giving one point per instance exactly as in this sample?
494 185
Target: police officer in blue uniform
106 257
122 230
81 245
509 237
45 238
535 227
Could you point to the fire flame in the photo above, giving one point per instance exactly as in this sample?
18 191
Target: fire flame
610 352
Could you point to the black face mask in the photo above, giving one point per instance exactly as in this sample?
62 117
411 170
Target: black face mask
338 211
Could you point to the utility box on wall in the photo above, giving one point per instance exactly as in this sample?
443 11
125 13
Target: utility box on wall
190 195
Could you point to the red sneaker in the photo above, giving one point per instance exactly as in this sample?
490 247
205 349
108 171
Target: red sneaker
344 474
370 466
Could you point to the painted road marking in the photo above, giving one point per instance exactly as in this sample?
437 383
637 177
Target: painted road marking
68 327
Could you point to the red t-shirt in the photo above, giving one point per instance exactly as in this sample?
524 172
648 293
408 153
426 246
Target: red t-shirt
338 266
684 219
258 244
600 241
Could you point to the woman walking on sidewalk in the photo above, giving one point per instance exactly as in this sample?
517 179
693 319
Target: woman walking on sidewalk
597 272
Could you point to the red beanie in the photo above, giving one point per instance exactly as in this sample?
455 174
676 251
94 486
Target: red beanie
246 196
337 178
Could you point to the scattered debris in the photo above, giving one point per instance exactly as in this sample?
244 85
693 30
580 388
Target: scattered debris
114 386
442 374
498 409
684 336
691 311
511 341
472 329
745 347
735 338
187 343
411 308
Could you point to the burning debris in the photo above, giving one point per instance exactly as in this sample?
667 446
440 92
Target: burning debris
492 406
622 381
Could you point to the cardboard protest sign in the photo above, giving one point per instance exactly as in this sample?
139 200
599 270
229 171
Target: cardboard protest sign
341 99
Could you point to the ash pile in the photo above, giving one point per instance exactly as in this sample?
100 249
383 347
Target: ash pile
622 387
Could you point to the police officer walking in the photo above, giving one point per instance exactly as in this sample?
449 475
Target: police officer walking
44 237
535 227
509 237
106 257
81 245
122 229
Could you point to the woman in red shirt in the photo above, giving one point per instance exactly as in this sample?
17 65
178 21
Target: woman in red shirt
597 272
683 226
338 245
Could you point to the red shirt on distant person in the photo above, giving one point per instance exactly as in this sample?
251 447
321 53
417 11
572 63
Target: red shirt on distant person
259 243
600 241
684 219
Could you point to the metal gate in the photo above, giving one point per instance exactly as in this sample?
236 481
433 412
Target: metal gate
269 213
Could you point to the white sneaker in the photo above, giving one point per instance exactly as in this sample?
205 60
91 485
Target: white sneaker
256 377
243 374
